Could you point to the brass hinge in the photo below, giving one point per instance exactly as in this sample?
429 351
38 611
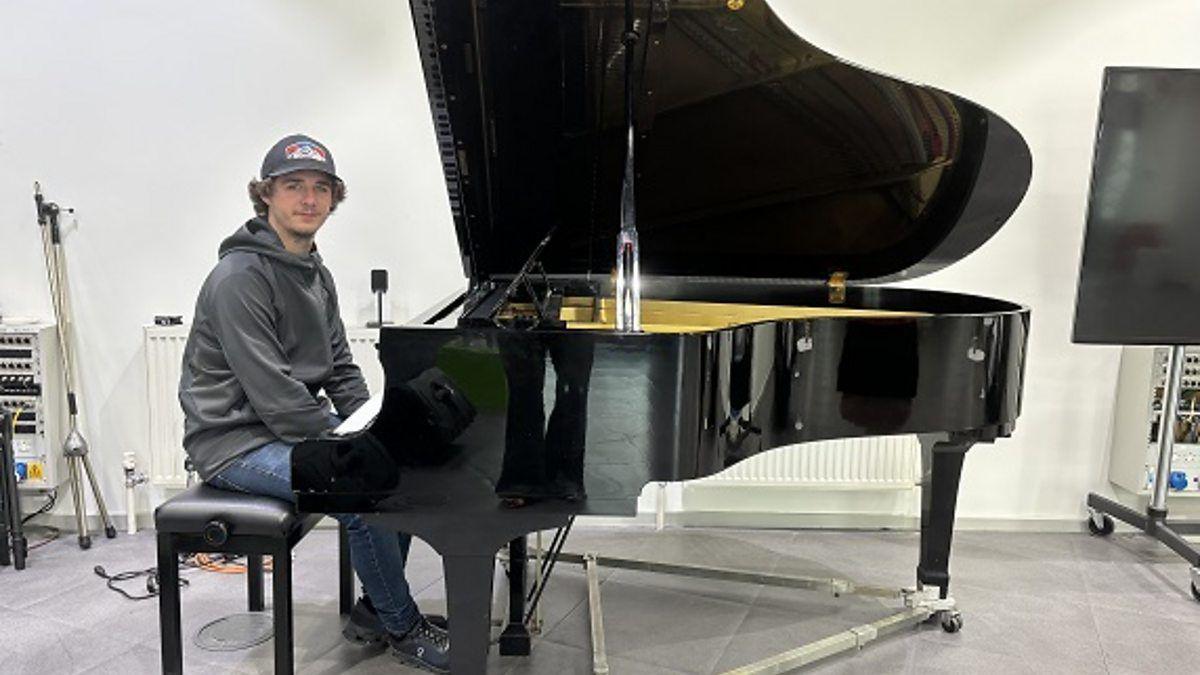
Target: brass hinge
837 288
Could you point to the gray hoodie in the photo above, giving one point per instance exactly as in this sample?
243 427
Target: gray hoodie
266 338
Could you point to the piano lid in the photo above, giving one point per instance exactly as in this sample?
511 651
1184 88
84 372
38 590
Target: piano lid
758 154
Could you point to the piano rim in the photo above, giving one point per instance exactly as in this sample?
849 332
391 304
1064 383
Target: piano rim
861 302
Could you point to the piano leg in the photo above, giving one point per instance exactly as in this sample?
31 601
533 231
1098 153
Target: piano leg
469 606
468 545
514 641
941 467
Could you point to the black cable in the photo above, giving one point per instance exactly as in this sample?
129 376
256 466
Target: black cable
151 574
52 533
548 560
554 553
186 562
45 508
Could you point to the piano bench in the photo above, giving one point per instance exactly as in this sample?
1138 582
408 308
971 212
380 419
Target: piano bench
205 519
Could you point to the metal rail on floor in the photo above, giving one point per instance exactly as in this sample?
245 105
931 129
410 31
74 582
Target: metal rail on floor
920 605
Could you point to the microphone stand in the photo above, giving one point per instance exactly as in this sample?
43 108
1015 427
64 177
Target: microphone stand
75 448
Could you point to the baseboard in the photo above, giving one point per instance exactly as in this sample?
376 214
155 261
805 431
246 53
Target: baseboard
750 520
773 520
66 523
1049 525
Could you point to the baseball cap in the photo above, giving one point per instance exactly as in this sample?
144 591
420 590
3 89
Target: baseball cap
297 153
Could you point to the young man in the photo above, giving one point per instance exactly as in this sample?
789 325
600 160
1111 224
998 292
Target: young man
266 339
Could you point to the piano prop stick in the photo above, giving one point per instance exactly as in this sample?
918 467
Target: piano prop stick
1138 279
778 190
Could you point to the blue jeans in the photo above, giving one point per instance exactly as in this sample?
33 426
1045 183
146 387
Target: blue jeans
377 554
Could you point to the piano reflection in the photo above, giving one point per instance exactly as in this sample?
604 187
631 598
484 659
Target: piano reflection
759 191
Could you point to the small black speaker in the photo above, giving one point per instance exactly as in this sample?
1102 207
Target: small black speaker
379 281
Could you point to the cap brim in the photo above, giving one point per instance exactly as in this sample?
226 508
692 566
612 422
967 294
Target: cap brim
303 165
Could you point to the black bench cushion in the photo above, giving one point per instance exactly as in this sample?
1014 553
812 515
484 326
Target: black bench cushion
245 514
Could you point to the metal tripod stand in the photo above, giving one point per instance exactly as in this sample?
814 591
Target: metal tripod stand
75 448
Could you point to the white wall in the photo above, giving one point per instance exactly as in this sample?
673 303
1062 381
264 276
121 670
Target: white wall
1038 64
150 117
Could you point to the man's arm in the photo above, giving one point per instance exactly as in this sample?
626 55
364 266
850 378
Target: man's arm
345 385
244 321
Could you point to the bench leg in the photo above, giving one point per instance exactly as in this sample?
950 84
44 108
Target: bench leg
254 582
281 590
170 640
345 573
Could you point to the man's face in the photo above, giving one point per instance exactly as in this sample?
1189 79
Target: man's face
300 203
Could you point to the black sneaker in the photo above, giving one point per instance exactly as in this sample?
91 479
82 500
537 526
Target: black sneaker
424 646
364 627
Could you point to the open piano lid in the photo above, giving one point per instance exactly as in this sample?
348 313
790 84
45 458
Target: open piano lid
758 155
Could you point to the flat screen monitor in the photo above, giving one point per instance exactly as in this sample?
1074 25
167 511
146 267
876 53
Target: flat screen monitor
1139 280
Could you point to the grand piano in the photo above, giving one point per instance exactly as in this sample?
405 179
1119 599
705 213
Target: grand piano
770 188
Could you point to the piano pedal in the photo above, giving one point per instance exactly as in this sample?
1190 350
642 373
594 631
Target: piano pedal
521 502
737 430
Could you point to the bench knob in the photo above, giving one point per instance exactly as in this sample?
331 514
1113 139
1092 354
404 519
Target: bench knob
216 533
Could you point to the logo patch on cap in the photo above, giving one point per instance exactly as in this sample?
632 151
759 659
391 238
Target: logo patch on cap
304 150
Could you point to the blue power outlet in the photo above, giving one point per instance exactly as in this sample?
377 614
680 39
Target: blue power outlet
1179 480
22 471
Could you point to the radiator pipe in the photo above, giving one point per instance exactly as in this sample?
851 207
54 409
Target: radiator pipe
133 478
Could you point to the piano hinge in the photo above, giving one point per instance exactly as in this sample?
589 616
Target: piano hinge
837 288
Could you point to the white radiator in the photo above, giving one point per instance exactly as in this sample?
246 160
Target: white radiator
855 463
164 356
164 360
861 482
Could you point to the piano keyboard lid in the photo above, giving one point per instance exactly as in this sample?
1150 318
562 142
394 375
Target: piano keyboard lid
758 155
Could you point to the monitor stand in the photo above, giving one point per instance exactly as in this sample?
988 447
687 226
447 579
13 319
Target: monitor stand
1154 522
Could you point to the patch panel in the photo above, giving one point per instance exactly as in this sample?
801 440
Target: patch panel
31 387
1185 461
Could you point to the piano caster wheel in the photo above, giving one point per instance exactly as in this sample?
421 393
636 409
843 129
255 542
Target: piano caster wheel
951 621
1195 592
1101 531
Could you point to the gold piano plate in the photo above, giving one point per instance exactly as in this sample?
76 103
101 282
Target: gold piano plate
677 316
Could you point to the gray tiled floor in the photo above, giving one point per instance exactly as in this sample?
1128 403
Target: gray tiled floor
1045 603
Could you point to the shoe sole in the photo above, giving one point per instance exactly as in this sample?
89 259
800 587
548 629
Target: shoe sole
417 663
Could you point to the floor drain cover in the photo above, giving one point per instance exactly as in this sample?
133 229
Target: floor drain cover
239 631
